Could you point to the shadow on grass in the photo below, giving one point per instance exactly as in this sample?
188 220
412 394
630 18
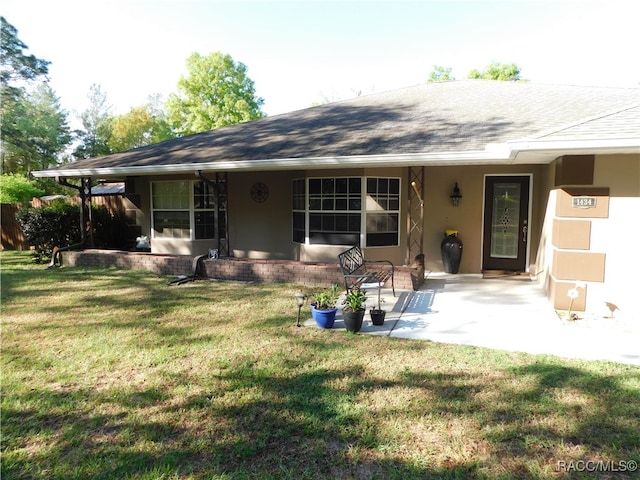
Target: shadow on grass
74 442
127 300
309 422
311 404
591 399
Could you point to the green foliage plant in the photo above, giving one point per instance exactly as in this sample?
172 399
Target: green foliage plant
49 226
17 189
327 299
58 225
354 300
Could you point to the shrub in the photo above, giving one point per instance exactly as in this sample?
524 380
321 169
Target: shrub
58 224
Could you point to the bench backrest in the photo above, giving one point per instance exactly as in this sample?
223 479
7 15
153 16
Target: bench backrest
351 260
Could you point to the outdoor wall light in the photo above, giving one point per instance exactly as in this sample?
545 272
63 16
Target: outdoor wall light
455 196
300 299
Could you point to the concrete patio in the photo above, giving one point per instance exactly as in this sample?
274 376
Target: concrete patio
505 314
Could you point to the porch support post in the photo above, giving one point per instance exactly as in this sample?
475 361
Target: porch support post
83 222
220 188
415 214
222 211
86 203
81 193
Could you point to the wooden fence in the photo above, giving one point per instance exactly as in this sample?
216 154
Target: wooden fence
114 203
11 233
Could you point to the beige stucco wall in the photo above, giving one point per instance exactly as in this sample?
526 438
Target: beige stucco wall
612 237
541 259
141 195
618 234
467 218
261 230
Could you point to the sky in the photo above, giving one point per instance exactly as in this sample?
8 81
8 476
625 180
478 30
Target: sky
303 52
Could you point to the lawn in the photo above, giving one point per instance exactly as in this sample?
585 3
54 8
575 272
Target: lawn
114 374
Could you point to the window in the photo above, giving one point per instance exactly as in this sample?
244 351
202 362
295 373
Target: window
204 210
383 211
334 210
171 203
182 207
330 211
298 206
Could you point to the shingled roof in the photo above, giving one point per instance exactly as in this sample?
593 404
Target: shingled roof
457 118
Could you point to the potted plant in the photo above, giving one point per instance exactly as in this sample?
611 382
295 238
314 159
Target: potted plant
323 307
377 314
354 308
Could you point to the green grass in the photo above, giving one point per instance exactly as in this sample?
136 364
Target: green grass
114 374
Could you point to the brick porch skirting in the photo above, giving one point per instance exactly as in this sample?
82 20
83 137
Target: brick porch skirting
236 269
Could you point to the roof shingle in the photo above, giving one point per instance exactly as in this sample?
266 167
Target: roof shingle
456 116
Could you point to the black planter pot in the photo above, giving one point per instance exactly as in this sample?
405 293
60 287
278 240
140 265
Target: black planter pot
353 320
451 249
377 316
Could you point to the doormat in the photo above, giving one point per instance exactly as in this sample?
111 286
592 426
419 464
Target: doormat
506 274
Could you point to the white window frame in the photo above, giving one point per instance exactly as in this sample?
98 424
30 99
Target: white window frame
373 208
191 210
368 206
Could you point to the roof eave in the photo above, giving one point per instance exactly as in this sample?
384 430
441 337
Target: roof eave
525 151
526 148
305 163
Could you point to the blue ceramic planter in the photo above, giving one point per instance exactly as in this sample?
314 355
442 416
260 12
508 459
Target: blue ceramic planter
324 318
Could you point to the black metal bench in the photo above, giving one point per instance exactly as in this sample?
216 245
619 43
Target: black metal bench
364 273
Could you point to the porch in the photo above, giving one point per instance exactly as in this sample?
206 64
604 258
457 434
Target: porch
235 269
504 314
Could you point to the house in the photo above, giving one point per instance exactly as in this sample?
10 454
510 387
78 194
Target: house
548 179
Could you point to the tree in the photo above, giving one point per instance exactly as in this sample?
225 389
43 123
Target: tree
17 189
217 92
17 70
53 135
96 122
498 71
440 74
41 132
15 65
161 129
141 126
45 123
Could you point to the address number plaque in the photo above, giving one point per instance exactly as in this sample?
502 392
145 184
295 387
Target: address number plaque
584 202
